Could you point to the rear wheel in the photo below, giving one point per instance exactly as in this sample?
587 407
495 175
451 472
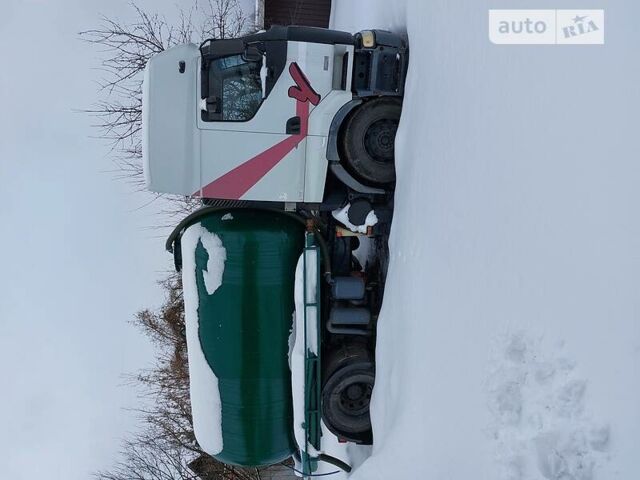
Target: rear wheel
368 140
347 393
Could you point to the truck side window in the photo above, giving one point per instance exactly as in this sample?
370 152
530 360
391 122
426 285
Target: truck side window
235 89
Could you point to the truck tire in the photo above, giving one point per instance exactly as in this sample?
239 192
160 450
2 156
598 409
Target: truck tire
368 140
350 377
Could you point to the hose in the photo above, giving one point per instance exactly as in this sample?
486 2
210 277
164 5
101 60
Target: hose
198 214
309 474
336 462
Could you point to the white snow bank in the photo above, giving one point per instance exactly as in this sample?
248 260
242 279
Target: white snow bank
205 395
342 215
350 453
521 165
297 346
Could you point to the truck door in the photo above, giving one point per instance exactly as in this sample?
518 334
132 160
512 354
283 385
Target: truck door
248 127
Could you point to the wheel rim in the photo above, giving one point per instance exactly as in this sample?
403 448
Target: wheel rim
346 401
379 140
355 398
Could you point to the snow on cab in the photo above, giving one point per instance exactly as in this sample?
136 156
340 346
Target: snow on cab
287 136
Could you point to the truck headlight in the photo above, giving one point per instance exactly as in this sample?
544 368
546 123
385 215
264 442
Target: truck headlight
368 39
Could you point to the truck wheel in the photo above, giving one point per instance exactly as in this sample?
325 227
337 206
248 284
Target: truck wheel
346 396
368 140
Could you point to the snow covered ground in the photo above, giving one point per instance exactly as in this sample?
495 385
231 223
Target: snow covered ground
509 342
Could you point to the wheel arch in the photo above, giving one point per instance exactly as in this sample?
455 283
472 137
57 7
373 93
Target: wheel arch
333 154
333 149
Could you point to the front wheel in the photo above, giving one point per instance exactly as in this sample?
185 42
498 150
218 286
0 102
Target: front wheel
350 377
368 140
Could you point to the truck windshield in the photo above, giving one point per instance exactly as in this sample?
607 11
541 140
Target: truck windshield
235 89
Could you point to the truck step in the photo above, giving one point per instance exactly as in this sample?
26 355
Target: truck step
349 316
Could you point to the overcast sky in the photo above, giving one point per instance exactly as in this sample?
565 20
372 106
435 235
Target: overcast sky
78 255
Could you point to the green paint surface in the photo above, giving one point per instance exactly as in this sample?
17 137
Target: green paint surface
244 332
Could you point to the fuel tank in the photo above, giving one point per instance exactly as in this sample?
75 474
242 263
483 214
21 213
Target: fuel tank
241 264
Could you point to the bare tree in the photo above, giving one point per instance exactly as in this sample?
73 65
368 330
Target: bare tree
167 383
127 47
152 458
167 448
149 458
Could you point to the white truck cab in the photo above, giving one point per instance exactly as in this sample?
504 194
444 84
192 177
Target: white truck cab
266 116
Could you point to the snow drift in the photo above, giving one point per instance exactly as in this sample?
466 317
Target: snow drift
509 340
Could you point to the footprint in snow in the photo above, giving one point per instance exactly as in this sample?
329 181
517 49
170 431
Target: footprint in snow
539 424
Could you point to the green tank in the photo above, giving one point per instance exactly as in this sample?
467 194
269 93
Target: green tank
244 328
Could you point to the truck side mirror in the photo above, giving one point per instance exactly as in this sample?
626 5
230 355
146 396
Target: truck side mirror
252 53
